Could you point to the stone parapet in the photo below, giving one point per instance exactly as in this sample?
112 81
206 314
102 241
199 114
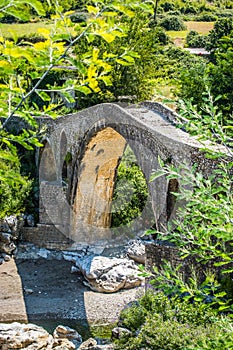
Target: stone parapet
46 236
157 253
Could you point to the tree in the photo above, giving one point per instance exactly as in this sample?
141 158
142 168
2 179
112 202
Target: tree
222 27
221 76
155 10
215 74
203 227
25 66
20 9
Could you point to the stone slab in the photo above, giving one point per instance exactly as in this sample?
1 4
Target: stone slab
12 305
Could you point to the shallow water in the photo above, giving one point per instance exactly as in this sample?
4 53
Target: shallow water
82 327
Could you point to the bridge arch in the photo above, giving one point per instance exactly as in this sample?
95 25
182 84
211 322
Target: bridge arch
149 132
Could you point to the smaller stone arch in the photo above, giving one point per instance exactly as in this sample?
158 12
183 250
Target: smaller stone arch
47 164
63 147
65 159
173 187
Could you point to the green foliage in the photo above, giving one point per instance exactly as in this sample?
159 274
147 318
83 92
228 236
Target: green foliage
198 286
215 128
161 323
168 6
172 23
167 335
134 66
221 75
196 8
203 226
130 193
173 308
137 80
11 9
26 87
168 63
217 75
194 39
206 17
222 27
14 192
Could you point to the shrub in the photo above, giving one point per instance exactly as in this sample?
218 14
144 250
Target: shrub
173 308
161 323
206 17
168 6
193 79
224 14
222 27
78 17
13 191
172 23
168 335
190 10
223 340
194 39
29 38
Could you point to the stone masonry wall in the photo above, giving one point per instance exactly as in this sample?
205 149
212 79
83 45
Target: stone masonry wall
159 252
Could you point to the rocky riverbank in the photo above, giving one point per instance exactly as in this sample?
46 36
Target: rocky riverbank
76 289
45 287
32 337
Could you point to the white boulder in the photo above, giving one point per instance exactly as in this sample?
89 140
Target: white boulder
109 275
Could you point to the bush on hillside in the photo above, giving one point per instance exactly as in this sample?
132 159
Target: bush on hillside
168 6
206 17
194 39
172 23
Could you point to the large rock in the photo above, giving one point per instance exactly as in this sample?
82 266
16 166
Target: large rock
88 344
9 233
30 337
27 336
91 344
64 332
109 274
14 224
29 220
136 250
7 245
120 332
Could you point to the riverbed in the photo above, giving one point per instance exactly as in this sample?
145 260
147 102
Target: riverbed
45 292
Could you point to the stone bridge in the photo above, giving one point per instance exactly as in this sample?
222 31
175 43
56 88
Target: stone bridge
77 170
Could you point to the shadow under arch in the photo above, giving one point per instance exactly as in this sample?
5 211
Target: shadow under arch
94 186
66 160
173 187
47 164
63 151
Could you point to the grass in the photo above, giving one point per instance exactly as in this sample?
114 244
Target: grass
31 28
9 30
200 27
178 37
